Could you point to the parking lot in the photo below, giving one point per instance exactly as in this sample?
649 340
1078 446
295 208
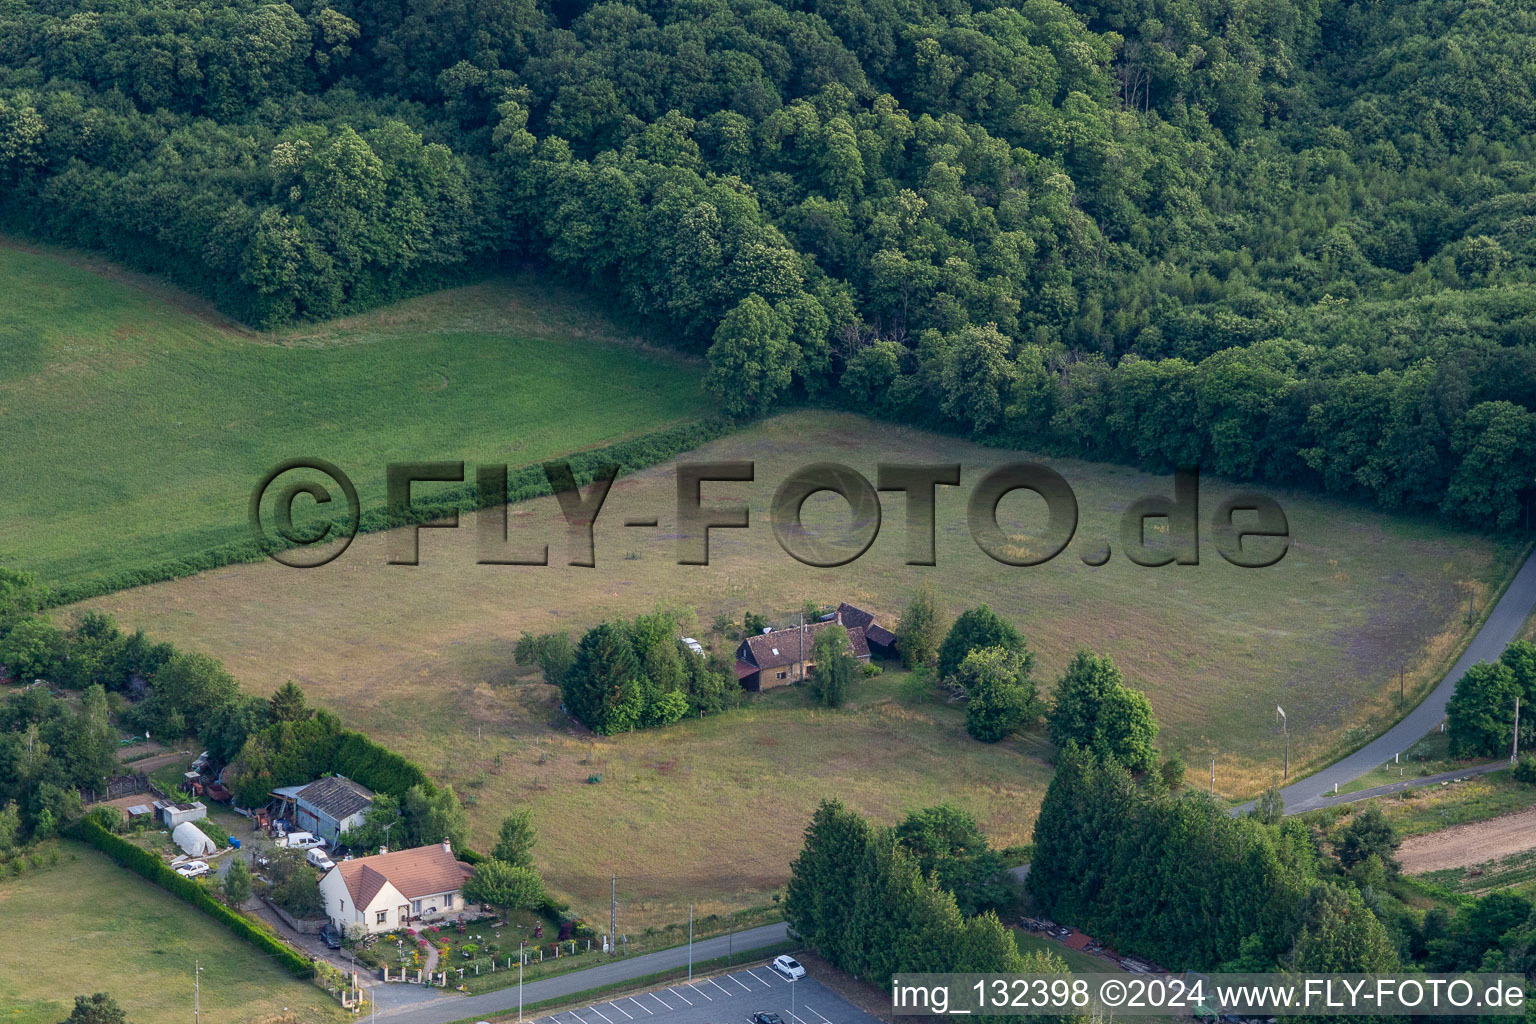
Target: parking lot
723 999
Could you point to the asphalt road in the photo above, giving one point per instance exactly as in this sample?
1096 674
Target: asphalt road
1501 626
451 1008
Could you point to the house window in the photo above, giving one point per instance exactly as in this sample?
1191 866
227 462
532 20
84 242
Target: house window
382 918
781 675
415 906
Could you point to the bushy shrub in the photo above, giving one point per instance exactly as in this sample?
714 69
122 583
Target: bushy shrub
1525 769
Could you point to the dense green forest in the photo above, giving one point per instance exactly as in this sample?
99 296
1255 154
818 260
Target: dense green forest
1289 240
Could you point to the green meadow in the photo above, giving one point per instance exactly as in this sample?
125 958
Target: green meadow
136 423
85 925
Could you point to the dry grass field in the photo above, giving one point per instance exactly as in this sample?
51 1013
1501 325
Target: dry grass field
711 811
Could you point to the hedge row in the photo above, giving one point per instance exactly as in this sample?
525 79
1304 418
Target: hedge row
522 484
377 767
150 866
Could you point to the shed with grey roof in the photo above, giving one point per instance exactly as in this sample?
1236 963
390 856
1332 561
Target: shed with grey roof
330 806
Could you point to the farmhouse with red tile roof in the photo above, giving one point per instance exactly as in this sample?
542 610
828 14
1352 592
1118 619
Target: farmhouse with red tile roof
392 890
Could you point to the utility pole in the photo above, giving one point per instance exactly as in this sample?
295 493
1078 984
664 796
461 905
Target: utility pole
802 644
522 951
690 942
1402 687
1286 723
1213 776
1514 750
197 991
730 940
613 915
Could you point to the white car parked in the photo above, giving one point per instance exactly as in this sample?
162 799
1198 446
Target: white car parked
789 967
318 858
192 869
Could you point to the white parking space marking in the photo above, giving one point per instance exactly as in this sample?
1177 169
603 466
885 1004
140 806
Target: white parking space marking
600 1014
660 1000
642 1006
739 982
719 986
700 992
817 1012
621 1009
757 976
675 992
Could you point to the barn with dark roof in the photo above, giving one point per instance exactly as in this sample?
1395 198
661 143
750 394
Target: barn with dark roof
882 642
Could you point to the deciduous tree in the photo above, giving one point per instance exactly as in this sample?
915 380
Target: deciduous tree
835 667
976 628
921 629
1000 695
504 886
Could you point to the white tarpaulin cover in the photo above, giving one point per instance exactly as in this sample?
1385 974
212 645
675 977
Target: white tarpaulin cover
192 840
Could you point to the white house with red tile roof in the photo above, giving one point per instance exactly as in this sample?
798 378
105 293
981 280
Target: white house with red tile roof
392 890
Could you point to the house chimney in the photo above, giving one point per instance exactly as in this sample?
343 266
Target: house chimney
447 846
383 850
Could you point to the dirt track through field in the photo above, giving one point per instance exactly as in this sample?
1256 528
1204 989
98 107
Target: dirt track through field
1466 845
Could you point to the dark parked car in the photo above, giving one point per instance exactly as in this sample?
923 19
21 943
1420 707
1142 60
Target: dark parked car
330 936
767 1018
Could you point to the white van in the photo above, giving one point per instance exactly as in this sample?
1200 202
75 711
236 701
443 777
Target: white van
318 858
301 841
